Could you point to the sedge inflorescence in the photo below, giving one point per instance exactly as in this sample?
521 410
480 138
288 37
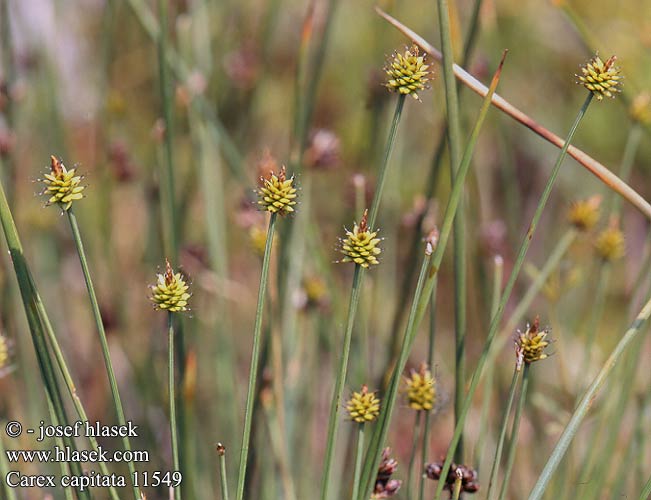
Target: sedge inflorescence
407 72
62 186
601 78
584 214
610 243
361 244
530 345
277 193
170 292
363 406
421 389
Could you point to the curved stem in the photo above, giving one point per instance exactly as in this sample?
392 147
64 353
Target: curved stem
492 331
586 402
97 315
255 358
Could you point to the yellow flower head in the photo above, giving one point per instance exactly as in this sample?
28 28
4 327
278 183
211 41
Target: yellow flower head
584 214
62 185
277 194
363 406
640 109
600 78
407 73
361 244
530 344
170 292
421 389
4 352
610 243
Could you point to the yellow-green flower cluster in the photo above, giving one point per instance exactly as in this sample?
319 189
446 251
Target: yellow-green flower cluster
170 292
610 243
363 406
421 389
62 185
640 109
408 73
4 352
600 78
530 345
277 194
361 244
584 214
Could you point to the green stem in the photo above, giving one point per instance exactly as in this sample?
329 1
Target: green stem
9 493
454 141
333 421
97 315
456 492
598 301
424 289
255 358
412 456
172 398
223 478
500 441
426 427
646 491
34 312
628 160
586 402
513 445
524 247
381 176
358 461
170 223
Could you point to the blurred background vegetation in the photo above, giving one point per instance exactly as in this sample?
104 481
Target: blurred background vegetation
253 80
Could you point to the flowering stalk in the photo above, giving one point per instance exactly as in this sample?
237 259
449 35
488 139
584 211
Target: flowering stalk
586 402
36 319
255 357
171 387
513 444
596 168
221 451
495 322
99 323
414 448
359 454
333 419
426 282
500 440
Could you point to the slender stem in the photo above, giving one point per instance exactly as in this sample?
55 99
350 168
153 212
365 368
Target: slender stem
500 440
9 493
34 311
646 491
97 315
223 478
172 398
424 288
358 461
255 357
628 160
597 169
381 176
454 141
492 331
513 445
170 223
333 421
424 456
555 257
456 492
598 301
414 449
586 402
